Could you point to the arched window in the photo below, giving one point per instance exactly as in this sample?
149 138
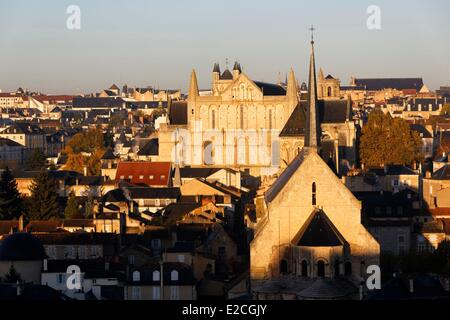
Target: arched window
348 268
208 153
304 268
136 276
314 194
321 269
329 92
241 117
213 119
283 267
156 275
174 275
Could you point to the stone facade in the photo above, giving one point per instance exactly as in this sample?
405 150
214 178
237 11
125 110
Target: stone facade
285 214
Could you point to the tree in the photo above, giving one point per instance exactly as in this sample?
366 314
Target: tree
72 210
36 161
43 203
11 204
388 141
445 109
85 150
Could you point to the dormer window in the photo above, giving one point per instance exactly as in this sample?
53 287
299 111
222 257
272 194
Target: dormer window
174 275
136 276
156 275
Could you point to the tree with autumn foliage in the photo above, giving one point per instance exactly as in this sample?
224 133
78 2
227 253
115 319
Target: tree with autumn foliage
86 150
389 141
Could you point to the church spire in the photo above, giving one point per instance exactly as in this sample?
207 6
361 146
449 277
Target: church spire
312 138
292 89
193 87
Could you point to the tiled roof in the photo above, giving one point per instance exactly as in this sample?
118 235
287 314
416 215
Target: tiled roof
147 173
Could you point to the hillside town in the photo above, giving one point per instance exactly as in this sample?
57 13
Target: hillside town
244 190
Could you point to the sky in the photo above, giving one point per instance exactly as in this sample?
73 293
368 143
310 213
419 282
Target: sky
158 43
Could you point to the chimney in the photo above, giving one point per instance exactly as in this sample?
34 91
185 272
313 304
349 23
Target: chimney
411 285
85 171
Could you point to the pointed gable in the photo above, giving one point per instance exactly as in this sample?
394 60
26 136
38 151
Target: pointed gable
318 231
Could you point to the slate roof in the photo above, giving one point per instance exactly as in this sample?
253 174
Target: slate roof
376 84
442 174
21 247
226 75
423 132
9 143
270 89
108 155
192 173
82 102
154 193
178 113
23 128
330 111
319 231
151 148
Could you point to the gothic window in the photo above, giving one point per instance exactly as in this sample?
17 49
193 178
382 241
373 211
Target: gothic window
314 194
304 268
283 267
321 269
348 268
329 92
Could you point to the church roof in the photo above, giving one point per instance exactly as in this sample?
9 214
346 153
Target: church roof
226 75
270 89
318 231
178 113
330 111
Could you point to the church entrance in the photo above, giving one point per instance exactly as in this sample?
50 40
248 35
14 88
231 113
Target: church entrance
321 269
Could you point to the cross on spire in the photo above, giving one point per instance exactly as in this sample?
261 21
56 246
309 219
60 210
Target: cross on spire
312 29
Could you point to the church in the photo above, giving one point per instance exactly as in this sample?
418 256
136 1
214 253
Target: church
254 126
309 242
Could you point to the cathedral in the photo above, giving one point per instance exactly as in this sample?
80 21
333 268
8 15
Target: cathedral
255 126
309 242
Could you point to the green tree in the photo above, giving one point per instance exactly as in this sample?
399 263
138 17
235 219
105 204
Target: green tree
11 204
72 210
387 141
43 203
36 161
